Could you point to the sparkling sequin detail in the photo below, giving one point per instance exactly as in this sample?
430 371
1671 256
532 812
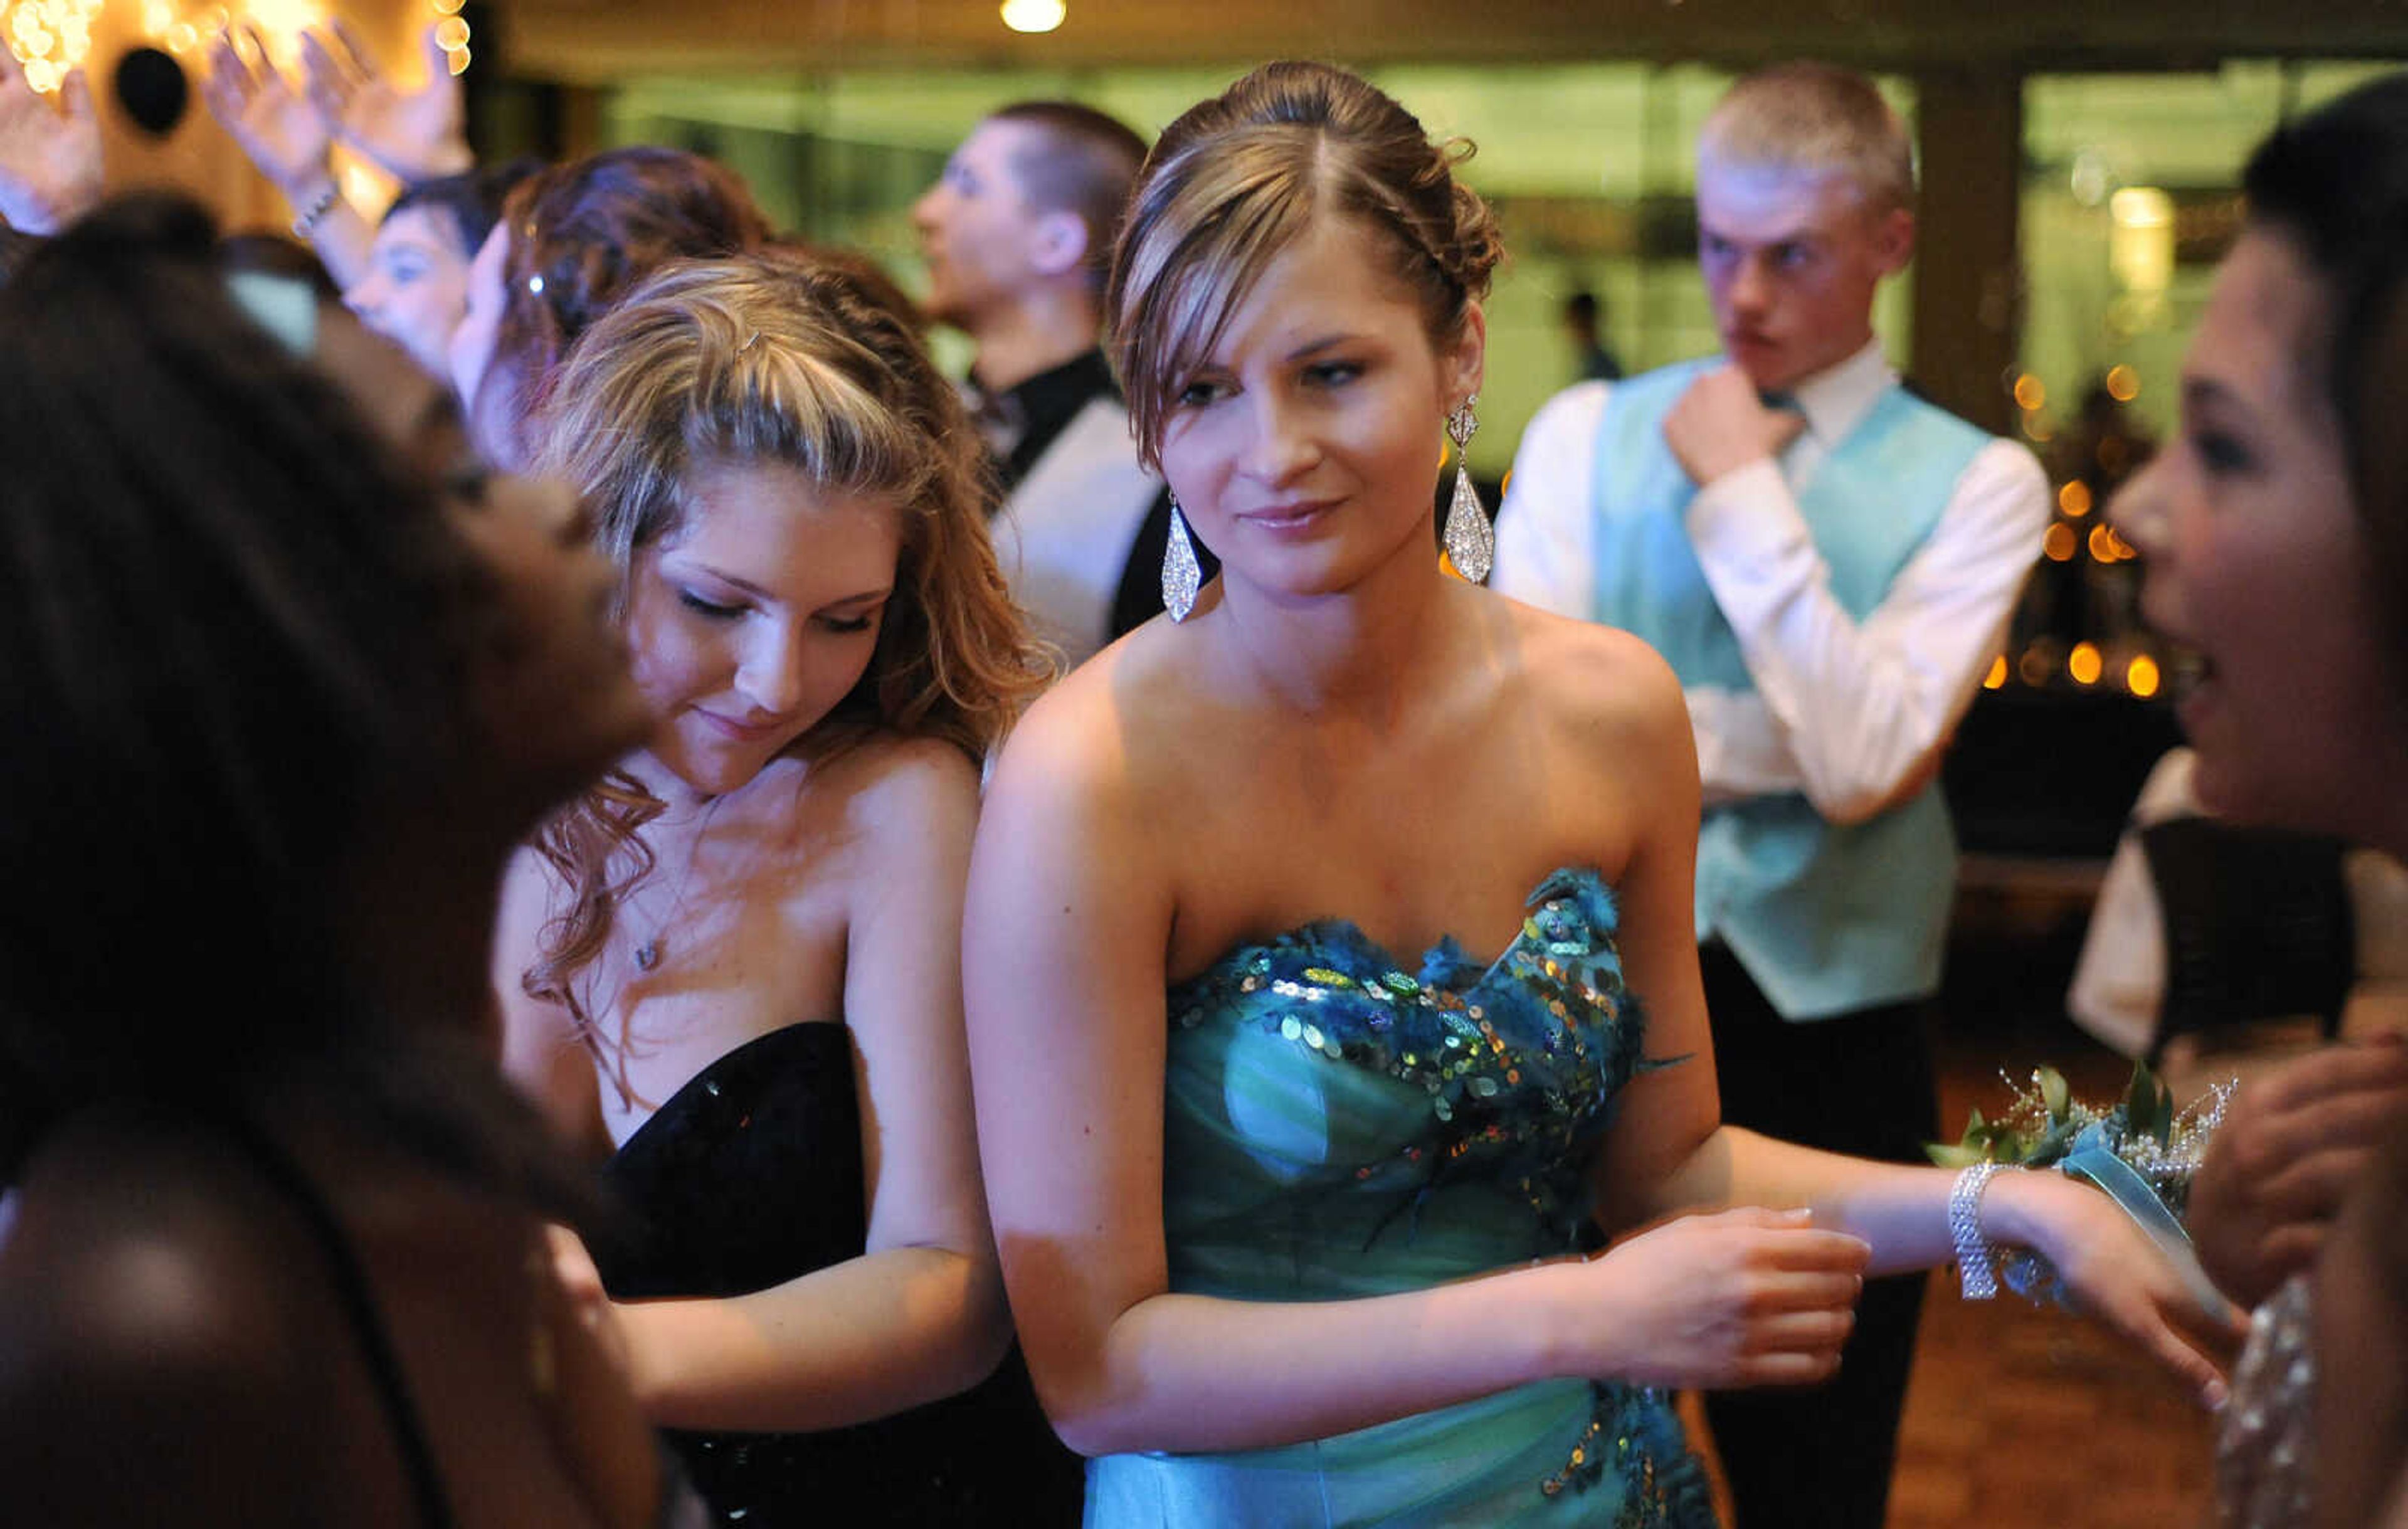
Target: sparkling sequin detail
1521 1102
1628 1432
1336 1115
2261 1450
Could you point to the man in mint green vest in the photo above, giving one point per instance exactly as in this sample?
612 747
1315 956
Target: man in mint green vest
1828 564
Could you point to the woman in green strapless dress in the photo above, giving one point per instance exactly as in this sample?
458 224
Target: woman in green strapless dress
1299 1227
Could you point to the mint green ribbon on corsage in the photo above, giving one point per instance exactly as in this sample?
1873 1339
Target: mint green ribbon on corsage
2094 1160
2139 1152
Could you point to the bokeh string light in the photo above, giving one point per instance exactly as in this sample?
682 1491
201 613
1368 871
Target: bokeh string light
51 37
452 33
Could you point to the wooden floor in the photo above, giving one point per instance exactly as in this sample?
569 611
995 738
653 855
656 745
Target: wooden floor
2019 1418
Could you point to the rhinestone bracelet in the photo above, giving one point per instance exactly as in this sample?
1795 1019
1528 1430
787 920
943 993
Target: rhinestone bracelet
307 221
1976 1275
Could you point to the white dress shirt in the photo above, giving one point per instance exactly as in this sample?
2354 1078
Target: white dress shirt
1850 712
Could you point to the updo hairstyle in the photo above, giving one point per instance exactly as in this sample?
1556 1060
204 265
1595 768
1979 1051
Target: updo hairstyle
1239 179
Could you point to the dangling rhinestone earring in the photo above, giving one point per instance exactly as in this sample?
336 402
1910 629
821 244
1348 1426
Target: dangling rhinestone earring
1471 542
1182 576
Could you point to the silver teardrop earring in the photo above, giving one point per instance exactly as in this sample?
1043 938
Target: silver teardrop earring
1182 576
1471 541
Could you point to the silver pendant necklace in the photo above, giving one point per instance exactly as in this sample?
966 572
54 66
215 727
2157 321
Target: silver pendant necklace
647 951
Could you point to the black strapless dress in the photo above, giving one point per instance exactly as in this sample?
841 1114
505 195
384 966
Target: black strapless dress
750 1176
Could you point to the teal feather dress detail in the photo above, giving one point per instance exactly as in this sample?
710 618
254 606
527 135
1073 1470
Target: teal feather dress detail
1339 1125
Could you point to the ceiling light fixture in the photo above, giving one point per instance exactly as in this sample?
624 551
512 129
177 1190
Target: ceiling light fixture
1034 14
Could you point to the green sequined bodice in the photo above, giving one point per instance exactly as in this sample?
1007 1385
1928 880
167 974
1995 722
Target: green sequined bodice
1337 1125
1314 1070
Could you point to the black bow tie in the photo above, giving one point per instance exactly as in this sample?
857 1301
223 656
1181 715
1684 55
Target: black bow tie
998 416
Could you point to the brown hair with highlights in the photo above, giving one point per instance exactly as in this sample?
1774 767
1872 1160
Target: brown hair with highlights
1239 179
580 236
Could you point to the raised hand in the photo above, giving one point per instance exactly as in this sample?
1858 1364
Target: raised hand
412 135
50 156
1719 424
2291 1146
273 125
1746 1297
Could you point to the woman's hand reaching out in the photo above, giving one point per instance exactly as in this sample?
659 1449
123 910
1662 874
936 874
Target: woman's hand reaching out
2114 1272
2290 1147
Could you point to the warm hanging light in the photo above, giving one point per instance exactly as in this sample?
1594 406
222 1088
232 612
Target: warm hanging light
2084 664
2140 676
452 33
1034 14
50 37
2141 240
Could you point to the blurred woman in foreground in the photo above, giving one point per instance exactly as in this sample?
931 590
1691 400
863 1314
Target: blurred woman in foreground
2275 529
287 673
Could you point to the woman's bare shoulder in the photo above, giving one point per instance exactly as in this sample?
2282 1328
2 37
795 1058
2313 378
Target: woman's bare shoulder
1094 778
1593 677
905 805
917 765
1115 718
148 1313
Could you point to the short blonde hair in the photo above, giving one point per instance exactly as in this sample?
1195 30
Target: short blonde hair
1812 118
1239 178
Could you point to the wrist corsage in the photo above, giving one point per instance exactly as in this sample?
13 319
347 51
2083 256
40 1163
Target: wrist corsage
2141 1150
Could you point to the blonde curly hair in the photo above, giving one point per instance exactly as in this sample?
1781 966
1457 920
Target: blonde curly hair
788 358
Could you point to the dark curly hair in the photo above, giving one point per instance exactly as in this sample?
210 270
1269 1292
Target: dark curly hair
580 235
227 620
